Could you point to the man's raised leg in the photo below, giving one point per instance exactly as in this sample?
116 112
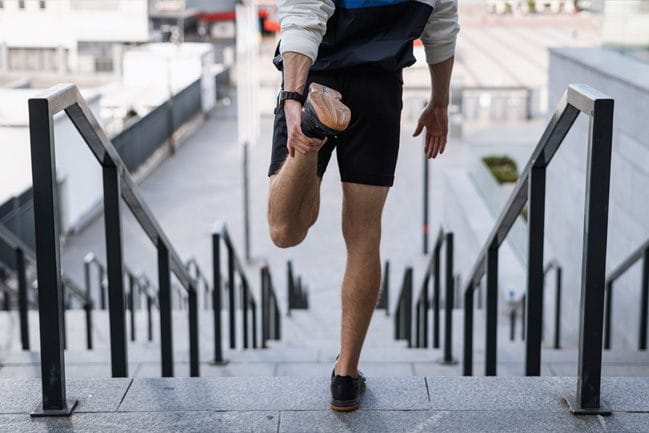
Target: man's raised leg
294 199
362 210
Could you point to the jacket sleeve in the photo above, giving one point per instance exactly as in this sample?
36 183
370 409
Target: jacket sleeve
440 32
303 24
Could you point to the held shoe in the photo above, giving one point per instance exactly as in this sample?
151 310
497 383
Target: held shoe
346 391
323 113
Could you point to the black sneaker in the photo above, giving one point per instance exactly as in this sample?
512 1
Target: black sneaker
346 391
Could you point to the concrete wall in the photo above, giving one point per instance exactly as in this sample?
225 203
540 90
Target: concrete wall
626 80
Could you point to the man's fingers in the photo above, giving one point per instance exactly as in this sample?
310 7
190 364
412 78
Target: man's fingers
443 146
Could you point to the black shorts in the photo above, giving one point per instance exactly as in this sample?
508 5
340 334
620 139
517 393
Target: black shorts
367 150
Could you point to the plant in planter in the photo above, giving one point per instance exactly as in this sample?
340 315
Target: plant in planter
503 168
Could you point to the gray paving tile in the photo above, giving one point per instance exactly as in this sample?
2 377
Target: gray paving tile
635 370
627 422
436 421
94 395
209 370
265 393
29 371
499 393
323 369
626 393
186 422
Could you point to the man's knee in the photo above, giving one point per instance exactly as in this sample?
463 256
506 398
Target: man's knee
285 236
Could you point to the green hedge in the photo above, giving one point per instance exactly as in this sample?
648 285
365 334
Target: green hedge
502 167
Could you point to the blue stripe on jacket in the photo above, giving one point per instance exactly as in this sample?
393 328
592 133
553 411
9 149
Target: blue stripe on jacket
359 4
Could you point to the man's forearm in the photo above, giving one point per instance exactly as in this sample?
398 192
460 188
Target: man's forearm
296 70
440 76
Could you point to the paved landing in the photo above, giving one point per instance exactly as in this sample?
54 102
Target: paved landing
415 404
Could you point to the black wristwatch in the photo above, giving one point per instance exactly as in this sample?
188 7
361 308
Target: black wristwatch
284 95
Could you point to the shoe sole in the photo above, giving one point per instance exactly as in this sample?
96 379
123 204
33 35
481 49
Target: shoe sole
338 408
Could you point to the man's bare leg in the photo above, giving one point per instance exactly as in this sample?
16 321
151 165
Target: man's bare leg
294 199
362 209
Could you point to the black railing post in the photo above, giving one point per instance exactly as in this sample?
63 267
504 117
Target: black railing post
449 302
131 303
408 302
436 292
194 366
425 206
523 321
88 305
50 293
644 299
491 329
115 270
418 324
149 319
244 311
231 297
265 309
101 288
290 289
467 359
512 324
594 258
253 307
534 304
608 310
166 333
216 297
23 311
557 309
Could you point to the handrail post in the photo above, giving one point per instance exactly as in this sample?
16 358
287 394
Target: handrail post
598 175
131 303
115 270
216 297
50 293
194 366
265 310
467 360
101 287
418 324
436 291
289 286
408 301
449 301
21 274
244 311
149 319
644 299
253 307
231 297
534 298
166 334
557 309
88 306
491 329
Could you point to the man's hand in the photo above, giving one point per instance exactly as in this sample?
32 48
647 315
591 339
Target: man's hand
435 120
296 138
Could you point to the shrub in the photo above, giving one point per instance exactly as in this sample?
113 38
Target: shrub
502 167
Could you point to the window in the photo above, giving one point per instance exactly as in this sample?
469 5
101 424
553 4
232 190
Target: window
21 4
41 4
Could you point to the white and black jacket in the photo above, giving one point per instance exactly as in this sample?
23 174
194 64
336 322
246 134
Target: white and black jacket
337 34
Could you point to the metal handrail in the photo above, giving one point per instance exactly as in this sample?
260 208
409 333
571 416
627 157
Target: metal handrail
383 302
117 185
403 310
270 314
192 265
297 294
234 268
433 270
642 252
530 187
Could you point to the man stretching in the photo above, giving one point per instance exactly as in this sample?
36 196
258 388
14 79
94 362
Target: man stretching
354 50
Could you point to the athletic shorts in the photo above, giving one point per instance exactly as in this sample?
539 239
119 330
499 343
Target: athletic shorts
367 150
